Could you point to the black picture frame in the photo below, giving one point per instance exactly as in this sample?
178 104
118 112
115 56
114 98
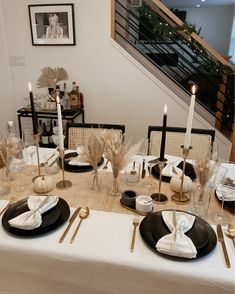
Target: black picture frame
52 24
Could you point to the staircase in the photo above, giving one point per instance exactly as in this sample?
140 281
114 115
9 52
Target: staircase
157 38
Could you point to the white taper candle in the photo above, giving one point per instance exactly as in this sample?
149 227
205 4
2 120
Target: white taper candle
60 124
187 139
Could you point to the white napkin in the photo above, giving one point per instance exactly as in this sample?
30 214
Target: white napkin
32 219
77 161
171 168
226 191
177 243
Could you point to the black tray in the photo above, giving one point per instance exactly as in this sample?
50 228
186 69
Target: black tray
230 205
133 209
189 171
78 168
153 227
51 219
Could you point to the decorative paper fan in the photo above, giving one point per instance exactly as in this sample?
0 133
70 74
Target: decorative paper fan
50 77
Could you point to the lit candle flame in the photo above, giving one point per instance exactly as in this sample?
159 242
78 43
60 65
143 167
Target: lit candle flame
165 109
30 87
193 89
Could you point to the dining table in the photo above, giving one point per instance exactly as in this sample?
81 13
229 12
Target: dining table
99 260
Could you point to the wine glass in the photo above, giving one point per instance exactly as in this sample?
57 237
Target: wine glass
224 189
30 148
17 167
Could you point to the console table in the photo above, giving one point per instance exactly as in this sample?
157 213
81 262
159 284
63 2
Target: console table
66 115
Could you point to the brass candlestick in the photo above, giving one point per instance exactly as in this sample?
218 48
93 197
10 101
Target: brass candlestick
181 197
159 197
63 184
37 140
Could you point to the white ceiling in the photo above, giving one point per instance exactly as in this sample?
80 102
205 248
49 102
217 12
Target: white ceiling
193 3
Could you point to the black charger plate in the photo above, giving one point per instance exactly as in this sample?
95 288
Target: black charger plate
77 168
230 205
189 171
153 228
51 219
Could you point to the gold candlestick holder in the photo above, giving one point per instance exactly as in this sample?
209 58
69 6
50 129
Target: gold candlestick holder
36 141
63 184
159 197
181 197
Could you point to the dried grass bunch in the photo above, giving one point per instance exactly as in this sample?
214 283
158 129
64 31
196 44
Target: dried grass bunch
7 151
119 153
203 170
93 150
51 76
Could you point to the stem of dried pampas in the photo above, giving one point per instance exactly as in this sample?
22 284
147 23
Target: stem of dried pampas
7 151
119 153
93 151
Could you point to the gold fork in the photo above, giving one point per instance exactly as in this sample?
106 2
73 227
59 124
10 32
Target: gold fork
135 223
11 201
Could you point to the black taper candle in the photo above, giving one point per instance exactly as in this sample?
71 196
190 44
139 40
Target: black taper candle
163 142
34 116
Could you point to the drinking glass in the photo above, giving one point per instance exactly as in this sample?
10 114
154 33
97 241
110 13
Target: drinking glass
30 149
223 190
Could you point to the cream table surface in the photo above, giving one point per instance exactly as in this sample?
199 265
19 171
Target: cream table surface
99 261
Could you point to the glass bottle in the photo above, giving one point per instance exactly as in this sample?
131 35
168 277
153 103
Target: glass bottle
74 96
66 99
44 135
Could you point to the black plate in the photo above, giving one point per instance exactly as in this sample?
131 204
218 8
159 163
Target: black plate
230 205
152 228
189 171
51 219
77 168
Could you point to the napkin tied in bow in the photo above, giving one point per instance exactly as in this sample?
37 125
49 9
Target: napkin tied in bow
177 243
171 168
32 219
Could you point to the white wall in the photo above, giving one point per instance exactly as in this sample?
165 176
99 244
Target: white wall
6 110
216 23
116 88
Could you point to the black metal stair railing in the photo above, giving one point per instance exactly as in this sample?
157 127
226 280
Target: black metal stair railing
180 60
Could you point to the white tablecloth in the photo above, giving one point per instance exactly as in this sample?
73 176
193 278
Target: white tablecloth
99 261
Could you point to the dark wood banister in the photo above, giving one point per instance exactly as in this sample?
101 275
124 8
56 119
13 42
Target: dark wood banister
196 37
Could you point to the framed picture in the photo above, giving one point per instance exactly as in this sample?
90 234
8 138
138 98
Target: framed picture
52 24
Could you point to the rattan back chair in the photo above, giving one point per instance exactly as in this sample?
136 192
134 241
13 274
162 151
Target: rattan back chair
202 141
78 133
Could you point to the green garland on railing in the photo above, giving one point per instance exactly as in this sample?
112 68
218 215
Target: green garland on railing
171 33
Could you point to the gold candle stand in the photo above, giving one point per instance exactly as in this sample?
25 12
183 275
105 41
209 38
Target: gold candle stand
36 141
182 198
159 197
63 184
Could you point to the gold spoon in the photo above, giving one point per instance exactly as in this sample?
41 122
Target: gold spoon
230 232
84 212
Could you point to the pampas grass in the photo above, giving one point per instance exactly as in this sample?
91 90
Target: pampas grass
203 170
93 150
7 151
119 153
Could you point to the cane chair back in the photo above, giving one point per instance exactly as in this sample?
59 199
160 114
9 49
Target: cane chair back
202 141
78 133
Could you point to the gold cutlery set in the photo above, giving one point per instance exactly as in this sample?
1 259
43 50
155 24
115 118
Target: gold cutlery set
83 214
230 233
135 223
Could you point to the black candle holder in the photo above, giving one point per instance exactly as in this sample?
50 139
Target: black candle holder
181 197
159 197
63 184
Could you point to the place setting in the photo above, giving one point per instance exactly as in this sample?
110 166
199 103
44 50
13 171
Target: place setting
35 215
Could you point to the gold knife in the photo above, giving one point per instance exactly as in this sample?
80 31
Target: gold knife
221 240
71 220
